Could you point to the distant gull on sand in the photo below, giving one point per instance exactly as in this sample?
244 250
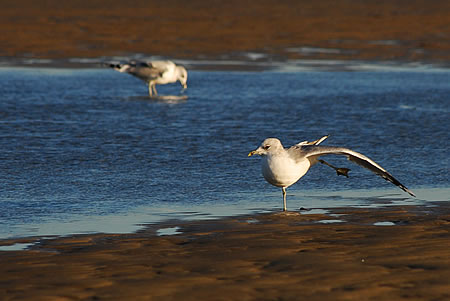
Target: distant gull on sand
283 167
154 73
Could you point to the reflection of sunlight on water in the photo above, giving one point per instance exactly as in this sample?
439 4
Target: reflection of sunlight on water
384 224
130 222
317 202
167 99
170 99
168 231
16 247
372 198
330 221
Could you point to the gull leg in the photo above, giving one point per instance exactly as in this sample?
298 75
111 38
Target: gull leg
284 198
154 89
150 92
341 171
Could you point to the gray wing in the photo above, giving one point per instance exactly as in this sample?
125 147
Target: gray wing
312 152
142 70
145 71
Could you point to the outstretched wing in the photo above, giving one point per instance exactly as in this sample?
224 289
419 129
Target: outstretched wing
312 152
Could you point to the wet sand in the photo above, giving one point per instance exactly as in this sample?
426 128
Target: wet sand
405 30
273 256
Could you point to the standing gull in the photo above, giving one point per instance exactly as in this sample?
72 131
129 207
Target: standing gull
154 72
283 167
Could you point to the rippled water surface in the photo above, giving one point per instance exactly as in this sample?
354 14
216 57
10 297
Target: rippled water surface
85 150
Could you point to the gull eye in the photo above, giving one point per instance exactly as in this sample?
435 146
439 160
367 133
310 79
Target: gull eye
266 147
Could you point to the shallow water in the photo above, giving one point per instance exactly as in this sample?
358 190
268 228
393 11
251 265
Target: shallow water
85 150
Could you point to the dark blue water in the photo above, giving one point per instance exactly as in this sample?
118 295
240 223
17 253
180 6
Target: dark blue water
86 150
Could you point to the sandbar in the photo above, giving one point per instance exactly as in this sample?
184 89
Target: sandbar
390 253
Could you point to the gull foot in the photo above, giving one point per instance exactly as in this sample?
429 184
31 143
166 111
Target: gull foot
342 171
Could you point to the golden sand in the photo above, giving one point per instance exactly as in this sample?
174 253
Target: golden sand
274 256
416 30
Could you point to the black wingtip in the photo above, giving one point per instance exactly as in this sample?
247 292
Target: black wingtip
402 187
410 192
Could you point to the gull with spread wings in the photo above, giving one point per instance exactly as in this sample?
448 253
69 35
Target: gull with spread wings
283 167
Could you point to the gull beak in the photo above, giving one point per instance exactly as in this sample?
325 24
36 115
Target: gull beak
251 153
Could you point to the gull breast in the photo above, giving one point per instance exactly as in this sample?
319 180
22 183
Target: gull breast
282 171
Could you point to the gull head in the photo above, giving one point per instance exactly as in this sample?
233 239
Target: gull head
269 146
182 76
